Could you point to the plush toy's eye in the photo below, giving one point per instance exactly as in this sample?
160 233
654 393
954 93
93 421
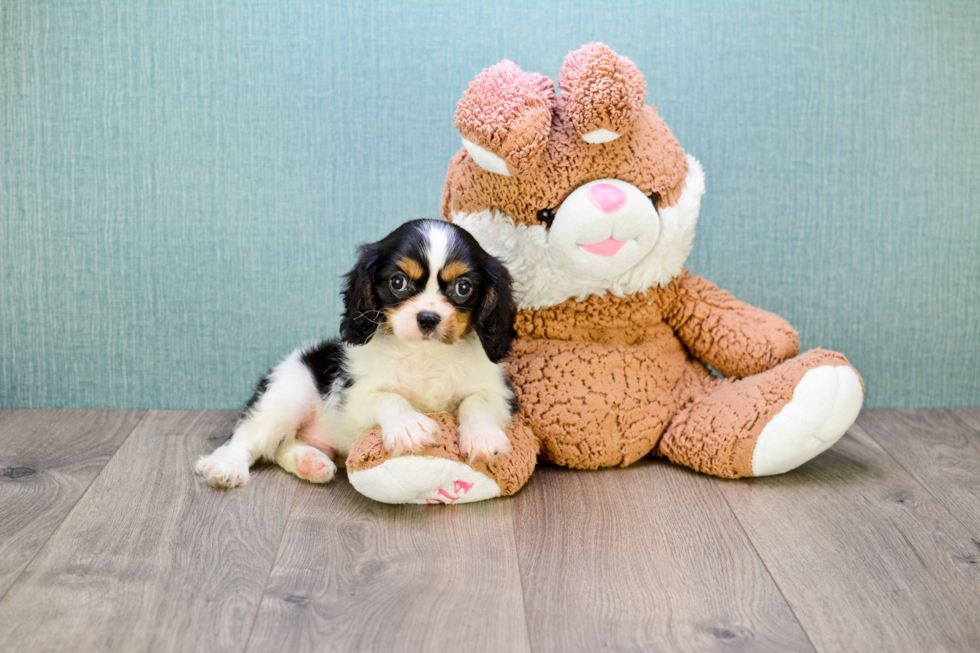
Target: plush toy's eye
600 136
546 216
398 283
486 159
463 288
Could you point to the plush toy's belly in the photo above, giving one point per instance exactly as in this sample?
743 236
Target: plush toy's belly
600 404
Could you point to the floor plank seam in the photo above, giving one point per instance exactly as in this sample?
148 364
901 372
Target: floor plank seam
73 505
915 478
758 555
272 568
952 411
520 577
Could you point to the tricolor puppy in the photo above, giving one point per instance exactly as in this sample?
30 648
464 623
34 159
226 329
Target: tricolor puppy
428 318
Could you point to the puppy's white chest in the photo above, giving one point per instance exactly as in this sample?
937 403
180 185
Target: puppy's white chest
430 381
431 376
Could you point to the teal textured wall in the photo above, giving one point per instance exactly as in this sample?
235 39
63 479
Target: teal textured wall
182 183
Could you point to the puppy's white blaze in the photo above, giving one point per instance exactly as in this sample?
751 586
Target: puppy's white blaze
404 320
437 252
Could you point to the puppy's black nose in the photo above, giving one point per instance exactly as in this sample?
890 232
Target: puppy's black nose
427 321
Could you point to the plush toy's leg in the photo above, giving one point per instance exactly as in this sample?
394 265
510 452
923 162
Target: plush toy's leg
768 423
439 474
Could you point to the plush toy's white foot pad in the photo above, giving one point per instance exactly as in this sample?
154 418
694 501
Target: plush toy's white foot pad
422 479
825 403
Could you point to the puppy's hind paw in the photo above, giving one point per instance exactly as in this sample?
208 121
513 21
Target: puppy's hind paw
482 442
310 464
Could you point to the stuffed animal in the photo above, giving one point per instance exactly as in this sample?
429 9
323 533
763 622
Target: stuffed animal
591 203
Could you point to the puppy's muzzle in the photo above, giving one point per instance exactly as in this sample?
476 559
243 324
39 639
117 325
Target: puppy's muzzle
428 322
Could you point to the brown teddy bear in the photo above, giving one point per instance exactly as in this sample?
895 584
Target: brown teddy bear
591 203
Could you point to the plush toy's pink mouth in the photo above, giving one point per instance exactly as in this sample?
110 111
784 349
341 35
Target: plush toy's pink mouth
608 247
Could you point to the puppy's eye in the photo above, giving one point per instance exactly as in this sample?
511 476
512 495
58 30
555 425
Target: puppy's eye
463 288
546 216
399 283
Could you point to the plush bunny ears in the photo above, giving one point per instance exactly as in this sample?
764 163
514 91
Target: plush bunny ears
504 118
602 91
505 114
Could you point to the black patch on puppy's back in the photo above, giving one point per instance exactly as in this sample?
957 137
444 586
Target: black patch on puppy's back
326 363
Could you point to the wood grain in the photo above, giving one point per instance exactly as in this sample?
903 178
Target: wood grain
151 559
353 574
644 558
940 451
969 416
871 546
48 458
868 558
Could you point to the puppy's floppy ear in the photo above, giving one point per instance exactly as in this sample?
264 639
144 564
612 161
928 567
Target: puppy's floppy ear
494 319
362 311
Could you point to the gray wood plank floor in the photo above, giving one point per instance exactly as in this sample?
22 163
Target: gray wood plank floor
108 542
48 458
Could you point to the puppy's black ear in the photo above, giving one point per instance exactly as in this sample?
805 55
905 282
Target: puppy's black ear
362 311
494 319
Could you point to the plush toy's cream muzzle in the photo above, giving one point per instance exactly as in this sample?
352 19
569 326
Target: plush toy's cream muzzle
602 229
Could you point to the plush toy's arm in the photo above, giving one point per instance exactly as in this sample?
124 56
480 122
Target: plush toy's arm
735 338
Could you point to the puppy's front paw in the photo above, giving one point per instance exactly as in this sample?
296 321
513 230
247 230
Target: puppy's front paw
482 441
225 468
409 432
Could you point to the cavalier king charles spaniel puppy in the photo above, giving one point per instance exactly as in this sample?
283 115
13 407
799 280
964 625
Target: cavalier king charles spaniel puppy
428 318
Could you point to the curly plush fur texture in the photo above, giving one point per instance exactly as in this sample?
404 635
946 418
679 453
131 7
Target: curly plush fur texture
613 348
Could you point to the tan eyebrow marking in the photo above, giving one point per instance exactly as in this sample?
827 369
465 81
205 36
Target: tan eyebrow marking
411 267
452 270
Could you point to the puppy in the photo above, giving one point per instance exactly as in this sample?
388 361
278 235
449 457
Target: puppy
428 318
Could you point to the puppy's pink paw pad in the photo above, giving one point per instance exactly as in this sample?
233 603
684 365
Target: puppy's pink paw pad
314 466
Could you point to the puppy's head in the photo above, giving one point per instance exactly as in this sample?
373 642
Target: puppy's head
429 281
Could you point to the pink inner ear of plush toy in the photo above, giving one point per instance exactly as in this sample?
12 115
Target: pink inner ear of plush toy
508 112
601 90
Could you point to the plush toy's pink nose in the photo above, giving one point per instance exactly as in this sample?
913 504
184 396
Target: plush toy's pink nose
606 198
